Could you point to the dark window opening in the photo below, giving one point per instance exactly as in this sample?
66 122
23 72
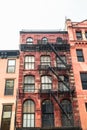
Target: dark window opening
47 114
59 40
86 106
80 56
67 106
83 77
79 35
86 35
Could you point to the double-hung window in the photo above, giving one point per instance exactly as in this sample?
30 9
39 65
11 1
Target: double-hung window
60 64
28 114
80 56
46 82
84 80
6 117
79 35
29 83
11 66
29 62
9 87
45 60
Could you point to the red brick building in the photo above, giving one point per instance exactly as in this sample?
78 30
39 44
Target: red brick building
47 97
78 45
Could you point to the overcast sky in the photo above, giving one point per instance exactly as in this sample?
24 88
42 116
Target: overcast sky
16 15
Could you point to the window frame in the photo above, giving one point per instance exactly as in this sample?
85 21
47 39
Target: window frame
7 119
86 34
30 64
46 83
27 113
47 113
80 57
9 89
43 60
79 35
11 66
29 40
83 78
61 86
44 40
59 62
28 85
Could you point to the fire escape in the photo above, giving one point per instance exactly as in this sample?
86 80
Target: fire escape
66 87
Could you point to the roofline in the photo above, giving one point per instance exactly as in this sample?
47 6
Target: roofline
43 31
9 50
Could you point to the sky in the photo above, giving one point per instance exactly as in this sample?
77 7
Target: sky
16 15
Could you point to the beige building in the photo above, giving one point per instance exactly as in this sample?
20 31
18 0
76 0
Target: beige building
9 69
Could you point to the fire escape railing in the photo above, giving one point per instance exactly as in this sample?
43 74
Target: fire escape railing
44 47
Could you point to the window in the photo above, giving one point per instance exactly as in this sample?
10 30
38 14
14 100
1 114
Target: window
29 62
80 56
46 82
45 60
63 83
44 40
6 117
86 106
47 114
29 40
67 107
79 35
9 87
83 77
29 83
11 66
60 63
28 114
59 40
86 34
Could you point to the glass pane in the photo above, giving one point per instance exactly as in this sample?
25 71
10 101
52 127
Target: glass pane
11 69
11 62
28 107
6 114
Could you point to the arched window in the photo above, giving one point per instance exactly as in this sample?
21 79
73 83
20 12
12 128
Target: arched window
45 60
29 83
67 106
29 62
44 40
47 114
28 113
29 40
59 40
46 82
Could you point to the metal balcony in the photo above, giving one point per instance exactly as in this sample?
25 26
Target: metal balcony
56 68
44 47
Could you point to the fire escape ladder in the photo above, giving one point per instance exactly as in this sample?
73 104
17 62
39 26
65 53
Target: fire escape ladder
57 101
57 55
59 78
